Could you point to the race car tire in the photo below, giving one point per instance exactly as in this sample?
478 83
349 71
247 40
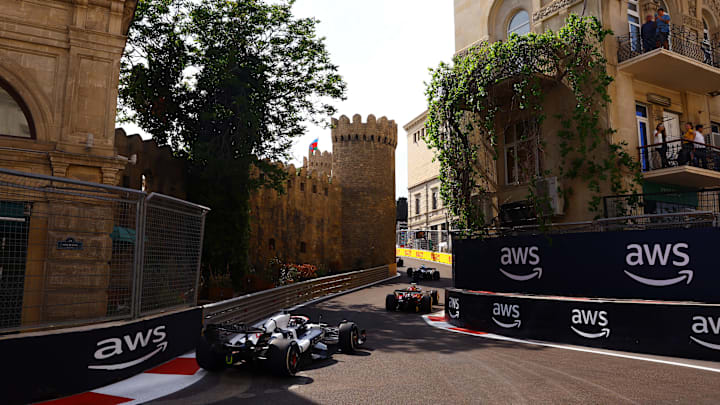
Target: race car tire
390 302
400 263
207 358
436 275
435 299
410 271
426 304
284 357
349 335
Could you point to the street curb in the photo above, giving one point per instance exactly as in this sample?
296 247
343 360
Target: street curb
341 293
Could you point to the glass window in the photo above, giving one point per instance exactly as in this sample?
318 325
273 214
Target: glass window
519 24
521 154
417 205
13 118
434 199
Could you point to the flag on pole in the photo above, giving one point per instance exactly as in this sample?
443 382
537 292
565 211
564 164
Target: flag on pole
314 145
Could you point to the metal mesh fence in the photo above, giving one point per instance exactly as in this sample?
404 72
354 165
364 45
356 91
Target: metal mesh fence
423 239
71 252
173 243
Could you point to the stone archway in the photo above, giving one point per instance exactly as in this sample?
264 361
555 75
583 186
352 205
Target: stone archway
32 96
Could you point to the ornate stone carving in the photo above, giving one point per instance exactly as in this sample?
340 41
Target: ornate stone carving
551 8
693 7
692 22
714 5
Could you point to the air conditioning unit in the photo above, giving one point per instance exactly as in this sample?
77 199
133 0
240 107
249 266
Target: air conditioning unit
549 190
715 140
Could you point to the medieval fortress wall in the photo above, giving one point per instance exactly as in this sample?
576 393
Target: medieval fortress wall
339 209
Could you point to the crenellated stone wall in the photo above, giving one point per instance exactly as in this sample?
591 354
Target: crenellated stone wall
300 226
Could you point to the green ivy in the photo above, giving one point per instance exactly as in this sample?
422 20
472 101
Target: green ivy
465 98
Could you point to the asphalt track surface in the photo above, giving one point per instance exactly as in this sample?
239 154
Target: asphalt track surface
406 361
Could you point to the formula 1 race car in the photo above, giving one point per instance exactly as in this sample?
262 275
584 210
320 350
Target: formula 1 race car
412 298
423 273
279 342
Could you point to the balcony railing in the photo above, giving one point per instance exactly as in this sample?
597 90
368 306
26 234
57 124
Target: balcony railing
681 41
679 153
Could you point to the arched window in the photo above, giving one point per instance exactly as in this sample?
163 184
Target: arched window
15 118
519 24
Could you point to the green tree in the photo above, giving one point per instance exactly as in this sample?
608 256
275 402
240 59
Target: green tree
228 84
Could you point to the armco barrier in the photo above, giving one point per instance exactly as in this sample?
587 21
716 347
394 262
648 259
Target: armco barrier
445 258
669 329
40 366
673 265
254 307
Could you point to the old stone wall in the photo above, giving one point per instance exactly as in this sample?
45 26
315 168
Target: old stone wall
301 226
319 161
160 170
364 165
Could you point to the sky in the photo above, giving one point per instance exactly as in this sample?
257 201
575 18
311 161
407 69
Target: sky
383 49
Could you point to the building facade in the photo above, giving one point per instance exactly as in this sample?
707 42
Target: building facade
655 83
425 207
59 73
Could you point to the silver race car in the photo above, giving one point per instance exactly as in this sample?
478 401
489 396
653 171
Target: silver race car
279 342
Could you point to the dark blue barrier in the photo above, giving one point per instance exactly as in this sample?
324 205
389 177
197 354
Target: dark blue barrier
59 363
669 329
677 264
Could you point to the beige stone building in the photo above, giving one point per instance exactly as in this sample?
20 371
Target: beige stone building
425 207
59 72
652 85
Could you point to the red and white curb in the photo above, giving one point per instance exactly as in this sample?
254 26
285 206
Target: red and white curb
155 383
438 320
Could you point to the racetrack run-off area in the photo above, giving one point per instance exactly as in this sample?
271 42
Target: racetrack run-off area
406 360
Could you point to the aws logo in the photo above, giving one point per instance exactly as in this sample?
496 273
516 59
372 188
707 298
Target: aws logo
585 318
454 307
659 255
506 311
116 346
706 325
524 256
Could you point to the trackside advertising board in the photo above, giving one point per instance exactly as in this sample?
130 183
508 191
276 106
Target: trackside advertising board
670 329
673 265
445 258
60 363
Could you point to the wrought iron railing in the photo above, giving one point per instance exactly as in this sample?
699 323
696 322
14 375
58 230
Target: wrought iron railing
681 40
678 153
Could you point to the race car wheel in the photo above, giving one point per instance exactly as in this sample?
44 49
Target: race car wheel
435 299
410 271
207 358
284 357
400 263
426 304
436 275
349 337
390 302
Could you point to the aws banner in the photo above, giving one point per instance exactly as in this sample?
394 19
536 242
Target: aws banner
683 330
677 264
59 363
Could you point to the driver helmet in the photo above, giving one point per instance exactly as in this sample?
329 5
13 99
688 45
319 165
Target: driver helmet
413 287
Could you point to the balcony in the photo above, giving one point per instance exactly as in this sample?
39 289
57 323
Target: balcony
688 65
680 163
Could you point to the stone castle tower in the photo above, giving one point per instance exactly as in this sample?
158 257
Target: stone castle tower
363 163
320 162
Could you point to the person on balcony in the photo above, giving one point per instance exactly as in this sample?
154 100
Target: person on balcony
686 149
700 151
663 27
660 136
648 32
